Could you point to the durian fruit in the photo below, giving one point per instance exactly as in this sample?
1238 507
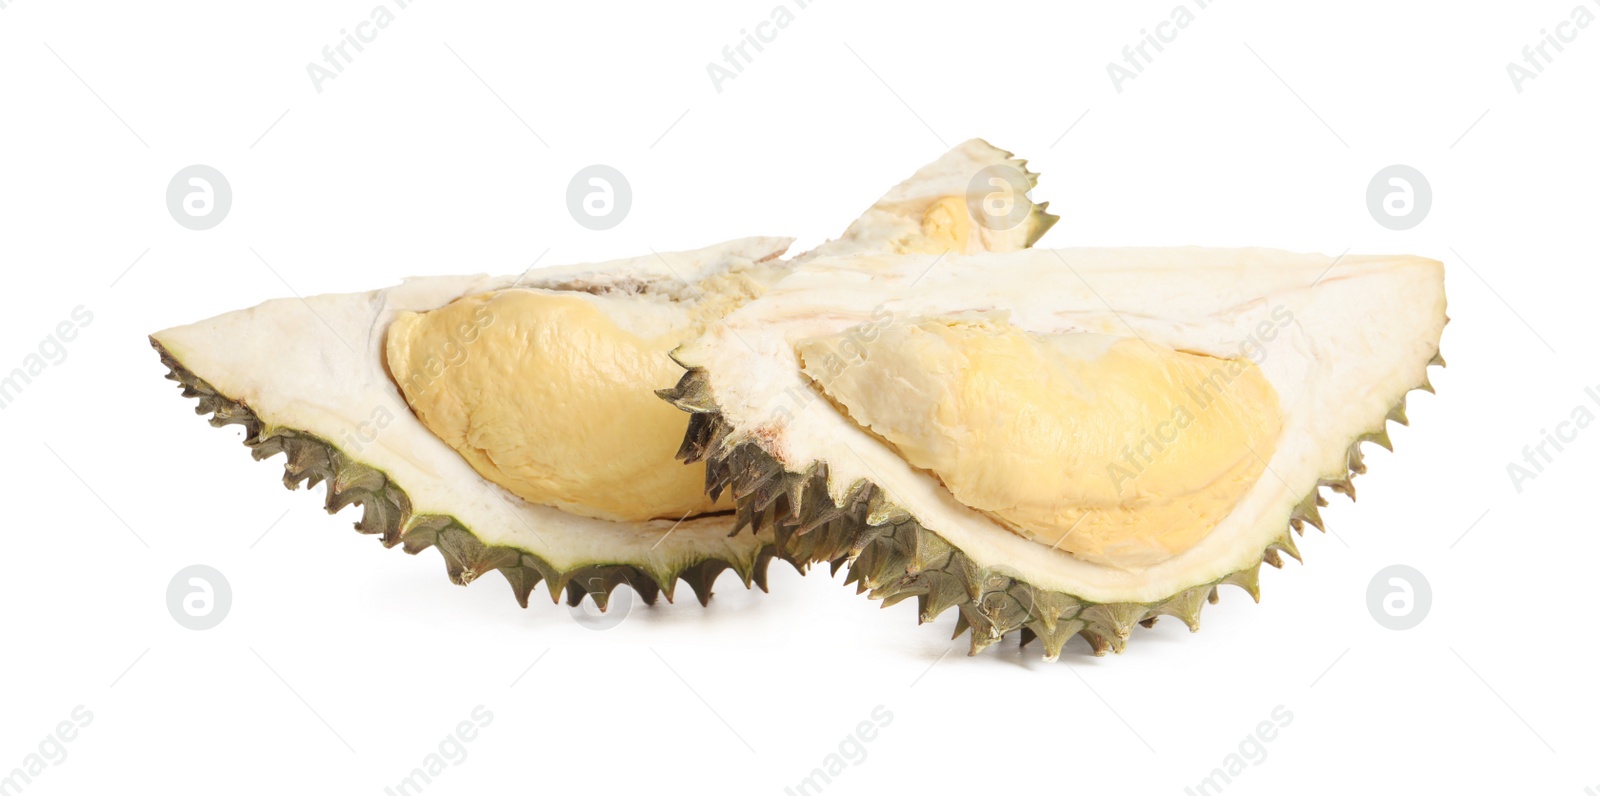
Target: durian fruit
511 422
1056 442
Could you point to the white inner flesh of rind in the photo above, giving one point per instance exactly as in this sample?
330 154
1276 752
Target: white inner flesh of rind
1360 335
318 366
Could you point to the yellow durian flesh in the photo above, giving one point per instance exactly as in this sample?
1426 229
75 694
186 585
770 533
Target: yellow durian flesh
1116 451
547 395
946 226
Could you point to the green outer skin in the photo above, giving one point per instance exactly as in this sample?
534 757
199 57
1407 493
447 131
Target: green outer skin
1039 221
892 557
386 512
1042 222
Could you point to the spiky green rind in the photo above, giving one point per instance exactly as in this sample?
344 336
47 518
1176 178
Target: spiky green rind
387 513
1039 221
891 557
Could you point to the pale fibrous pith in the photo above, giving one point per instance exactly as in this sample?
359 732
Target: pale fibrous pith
334 382
1358 335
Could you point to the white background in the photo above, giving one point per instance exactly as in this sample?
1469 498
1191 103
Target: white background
342 665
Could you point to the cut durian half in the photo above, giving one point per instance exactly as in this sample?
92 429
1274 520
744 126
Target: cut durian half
309 379
511 422
1056 442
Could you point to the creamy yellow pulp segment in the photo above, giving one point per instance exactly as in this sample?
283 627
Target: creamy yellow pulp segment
1114 450
545 394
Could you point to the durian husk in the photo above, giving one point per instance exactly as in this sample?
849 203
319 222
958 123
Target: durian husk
891 557
386 512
